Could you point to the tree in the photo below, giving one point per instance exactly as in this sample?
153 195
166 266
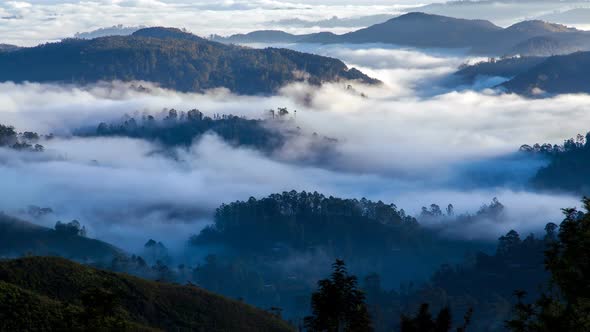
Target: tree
565 306
424 322
338 305
72 228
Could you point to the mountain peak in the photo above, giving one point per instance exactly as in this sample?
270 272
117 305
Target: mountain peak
165 33
420 17
538 26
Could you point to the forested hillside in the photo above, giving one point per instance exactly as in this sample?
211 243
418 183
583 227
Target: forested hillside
173 59
56 294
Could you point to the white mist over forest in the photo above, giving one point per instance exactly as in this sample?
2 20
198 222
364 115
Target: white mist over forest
414 141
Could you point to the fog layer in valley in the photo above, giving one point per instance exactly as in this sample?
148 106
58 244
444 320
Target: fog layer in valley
413 141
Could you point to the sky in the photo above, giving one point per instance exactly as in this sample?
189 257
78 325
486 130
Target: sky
30 22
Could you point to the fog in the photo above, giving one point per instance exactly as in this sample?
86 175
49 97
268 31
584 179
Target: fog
413 141
28 23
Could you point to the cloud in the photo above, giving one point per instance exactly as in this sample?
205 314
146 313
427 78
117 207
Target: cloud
397 144
50 20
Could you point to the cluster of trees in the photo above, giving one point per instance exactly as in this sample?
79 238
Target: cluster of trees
72 228
302 220
173 59
270 250
569 145
565 303
19 141
568 166
179 128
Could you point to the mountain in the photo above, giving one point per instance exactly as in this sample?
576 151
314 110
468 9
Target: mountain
534 38
43 293
557 74
18 238
173 59
506 68
261 36
419 29
336 22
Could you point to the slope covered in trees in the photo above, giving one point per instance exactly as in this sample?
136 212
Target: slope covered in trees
173 59
19 238
564 304
179 128
568 167
557 74
56 294
300 220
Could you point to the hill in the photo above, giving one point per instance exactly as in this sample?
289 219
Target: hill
427 30
419 29
8 48
506 68
173 59
557 74
18 238
56 294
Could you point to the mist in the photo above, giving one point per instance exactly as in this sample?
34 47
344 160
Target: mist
413 141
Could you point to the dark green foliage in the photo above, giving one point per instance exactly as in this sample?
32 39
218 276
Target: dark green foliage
424 322
338 305
568 168
301 220
24 141
53 294
182 128
173 59
18 238
565 306
73 228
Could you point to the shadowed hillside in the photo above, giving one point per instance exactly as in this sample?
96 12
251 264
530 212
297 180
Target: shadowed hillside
173 59
56 294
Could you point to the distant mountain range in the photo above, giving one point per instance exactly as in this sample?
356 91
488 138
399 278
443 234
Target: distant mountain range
536 76
534 38
336 22
173 59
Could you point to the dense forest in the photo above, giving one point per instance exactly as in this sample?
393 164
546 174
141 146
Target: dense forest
267 252
568 165
173 59
178 128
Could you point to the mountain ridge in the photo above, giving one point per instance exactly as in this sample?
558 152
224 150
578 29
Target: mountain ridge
418 29
173 59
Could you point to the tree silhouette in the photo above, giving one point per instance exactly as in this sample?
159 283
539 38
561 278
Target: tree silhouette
338 305
566 304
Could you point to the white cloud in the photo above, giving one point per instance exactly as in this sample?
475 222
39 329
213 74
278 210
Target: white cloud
400 145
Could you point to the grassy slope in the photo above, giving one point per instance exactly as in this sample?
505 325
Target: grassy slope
18 237
44 284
